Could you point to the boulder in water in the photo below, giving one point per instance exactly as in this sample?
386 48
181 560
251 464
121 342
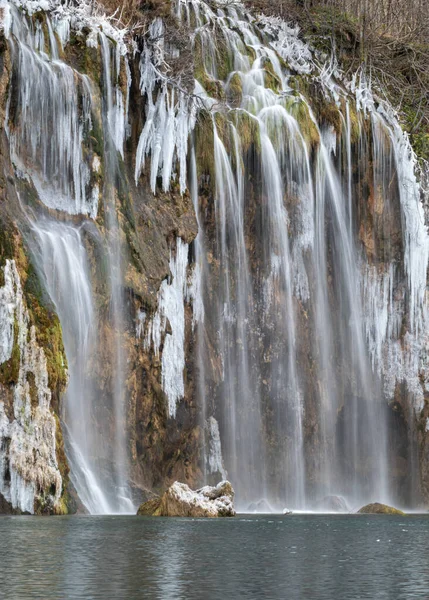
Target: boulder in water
287 511
333 503
149 508
180 501
379 509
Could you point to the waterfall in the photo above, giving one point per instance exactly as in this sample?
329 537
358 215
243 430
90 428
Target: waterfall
62 260
50 127
287 256
294 324
114 122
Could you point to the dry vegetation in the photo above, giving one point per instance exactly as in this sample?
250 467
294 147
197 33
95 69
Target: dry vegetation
389 37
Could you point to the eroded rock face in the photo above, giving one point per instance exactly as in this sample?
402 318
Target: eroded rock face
379 509
180 501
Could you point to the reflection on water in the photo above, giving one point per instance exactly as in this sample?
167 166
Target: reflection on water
311 557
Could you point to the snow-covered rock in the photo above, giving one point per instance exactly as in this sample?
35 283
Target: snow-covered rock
180 501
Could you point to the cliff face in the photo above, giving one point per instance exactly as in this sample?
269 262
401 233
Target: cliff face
226 274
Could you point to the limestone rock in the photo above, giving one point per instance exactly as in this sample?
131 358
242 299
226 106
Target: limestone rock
379 509
180 501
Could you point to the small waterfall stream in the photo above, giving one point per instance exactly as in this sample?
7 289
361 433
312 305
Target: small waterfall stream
62 259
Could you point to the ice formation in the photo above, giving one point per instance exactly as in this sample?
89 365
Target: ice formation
169 119
287 43
48 128
28 463
169 319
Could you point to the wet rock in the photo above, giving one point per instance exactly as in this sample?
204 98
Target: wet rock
287 511
180 501
379 509
333 503
149 508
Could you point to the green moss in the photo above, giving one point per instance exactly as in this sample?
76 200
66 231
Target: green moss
328 26
48 330
354 123
204 139
248 130
419 133
149 508
96 136
330 115
66 503
420 144
235 90
300 83
380 509
83 58
213 87
224 59
6 247
34 398
271 79
299 109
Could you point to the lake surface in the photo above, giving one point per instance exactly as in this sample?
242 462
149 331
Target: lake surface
311 557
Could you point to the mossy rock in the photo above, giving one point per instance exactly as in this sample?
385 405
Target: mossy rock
420 144
248 129
299 110
235 90
354 123
225 59
149 508
330 115
380 509
272 80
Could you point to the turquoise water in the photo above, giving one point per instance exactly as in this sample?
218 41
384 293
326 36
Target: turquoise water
311 557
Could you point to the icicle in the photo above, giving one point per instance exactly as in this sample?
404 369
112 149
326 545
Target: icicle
171 311
49 131
169 120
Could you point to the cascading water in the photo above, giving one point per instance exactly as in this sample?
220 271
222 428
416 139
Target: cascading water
286 256
49 127
115 123
61 257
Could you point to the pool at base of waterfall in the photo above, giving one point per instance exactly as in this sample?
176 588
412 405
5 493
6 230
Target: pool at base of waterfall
317 557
